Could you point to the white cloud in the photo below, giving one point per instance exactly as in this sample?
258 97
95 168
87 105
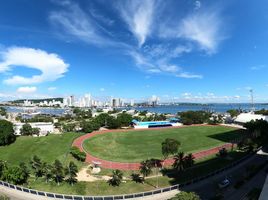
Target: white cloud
139 17
51 88
78 23
160 66
102 89
52 67
26 90
204 28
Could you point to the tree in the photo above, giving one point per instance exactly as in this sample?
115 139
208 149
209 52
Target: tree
47 171
186 196
79 155
179 161
36 131
124 119
3 111
3 166
233 112
14 175
6 133
137 178
26 130
68 127
36 164
25 171
71 173
57 171
170 147
146 168
189 160
116 179
89 126
194 117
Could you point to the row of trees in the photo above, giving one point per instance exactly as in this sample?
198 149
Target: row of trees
56 171
194 117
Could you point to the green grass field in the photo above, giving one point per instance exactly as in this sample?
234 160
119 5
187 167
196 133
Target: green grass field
135 146
47 148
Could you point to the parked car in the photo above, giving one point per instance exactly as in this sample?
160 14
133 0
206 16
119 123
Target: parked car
223 184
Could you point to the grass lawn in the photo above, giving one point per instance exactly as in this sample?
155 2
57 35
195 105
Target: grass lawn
103 188
47 148
135 146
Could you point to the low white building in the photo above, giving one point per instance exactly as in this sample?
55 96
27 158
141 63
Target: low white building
45 127
247 117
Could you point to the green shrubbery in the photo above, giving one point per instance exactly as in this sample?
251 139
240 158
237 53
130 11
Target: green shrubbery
77 154
6 133
194 117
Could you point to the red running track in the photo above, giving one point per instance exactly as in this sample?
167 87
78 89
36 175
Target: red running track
78 142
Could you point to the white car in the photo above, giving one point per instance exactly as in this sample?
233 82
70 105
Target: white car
225 183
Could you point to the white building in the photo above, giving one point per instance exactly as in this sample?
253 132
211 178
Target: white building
45 127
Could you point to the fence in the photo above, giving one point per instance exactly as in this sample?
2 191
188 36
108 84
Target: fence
76 197
123 196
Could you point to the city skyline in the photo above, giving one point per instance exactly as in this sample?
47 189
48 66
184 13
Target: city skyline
198 51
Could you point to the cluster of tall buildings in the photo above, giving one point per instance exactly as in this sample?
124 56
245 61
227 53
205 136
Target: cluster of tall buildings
87 101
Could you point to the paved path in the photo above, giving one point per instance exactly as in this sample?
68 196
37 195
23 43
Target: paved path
135 166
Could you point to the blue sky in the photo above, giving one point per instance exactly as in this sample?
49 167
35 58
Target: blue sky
187 51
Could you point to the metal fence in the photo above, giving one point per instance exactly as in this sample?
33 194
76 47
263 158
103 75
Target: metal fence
76 197
123 196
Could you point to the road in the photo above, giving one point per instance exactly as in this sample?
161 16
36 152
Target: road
207 189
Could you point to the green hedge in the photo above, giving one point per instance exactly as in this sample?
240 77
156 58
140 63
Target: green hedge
77 154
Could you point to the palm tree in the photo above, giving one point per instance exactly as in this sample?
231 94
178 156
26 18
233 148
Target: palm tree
25 172
57 171
189 160
36 166
71 173
116 178
179 161
47 171
137 178
3 166
146 168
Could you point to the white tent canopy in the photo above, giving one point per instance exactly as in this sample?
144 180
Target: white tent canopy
247 117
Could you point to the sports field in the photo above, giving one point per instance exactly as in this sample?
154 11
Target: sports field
47 148
135 146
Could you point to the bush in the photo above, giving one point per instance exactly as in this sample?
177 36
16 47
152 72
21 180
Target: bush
6 133
194 117
77 154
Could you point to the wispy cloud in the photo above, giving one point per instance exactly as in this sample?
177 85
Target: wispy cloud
204 28
258 67
27 89
160 37
138 14
78 23
51 88
52 67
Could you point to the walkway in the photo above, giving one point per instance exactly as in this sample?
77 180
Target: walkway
78 142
